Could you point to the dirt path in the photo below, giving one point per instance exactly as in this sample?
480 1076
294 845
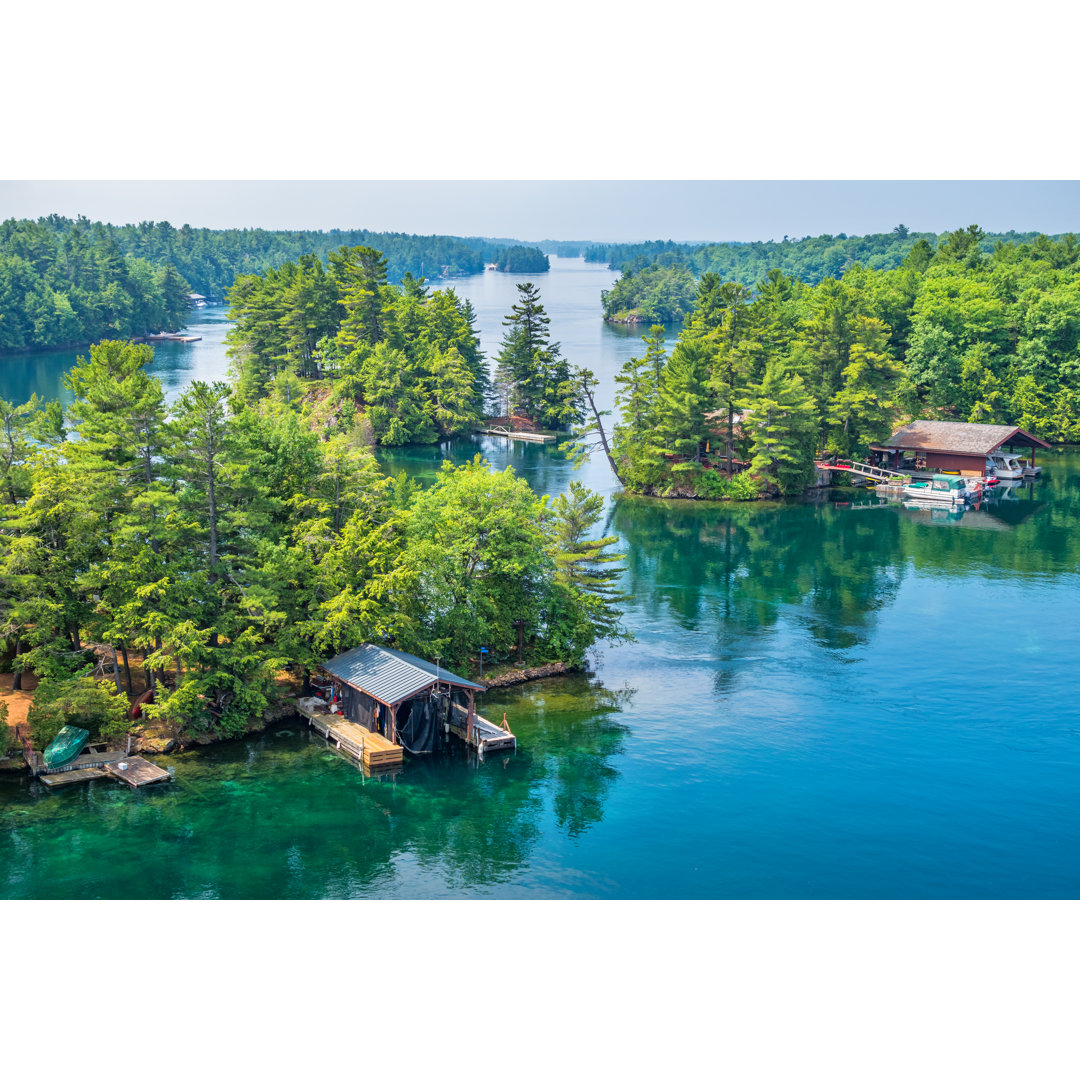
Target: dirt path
18 701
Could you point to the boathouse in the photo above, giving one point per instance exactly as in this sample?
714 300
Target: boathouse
942 446
399 696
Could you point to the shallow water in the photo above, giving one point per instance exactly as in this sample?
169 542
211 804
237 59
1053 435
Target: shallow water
827 698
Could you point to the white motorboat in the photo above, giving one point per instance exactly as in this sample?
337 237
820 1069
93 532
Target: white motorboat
940 488
1005 466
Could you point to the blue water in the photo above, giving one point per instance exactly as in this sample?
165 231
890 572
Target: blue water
828 697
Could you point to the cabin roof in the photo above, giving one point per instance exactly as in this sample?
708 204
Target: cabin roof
389 675
196 296
956 438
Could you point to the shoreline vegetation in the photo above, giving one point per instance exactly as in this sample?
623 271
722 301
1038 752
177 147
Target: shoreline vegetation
245 533
67 283
763 380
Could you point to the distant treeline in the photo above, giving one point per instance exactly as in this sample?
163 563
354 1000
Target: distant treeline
65 281
657 283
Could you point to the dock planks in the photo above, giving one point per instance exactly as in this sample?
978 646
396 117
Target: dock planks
77 776
485 735
136 772
373 751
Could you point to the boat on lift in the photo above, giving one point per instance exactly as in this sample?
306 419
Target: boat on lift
1004 466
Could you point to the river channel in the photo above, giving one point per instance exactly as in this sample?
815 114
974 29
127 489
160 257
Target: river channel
828 697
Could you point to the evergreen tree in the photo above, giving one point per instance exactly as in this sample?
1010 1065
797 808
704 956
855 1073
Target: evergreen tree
684 401
781 418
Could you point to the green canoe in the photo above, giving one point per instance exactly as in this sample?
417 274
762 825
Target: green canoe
66 746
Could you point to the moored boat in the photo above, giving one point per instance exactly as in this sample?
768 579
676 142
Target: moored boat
939 488
1005 466
66 746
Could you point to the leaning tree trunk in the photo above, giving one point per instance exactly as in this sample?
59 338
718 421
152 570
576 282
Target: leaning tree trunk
603 436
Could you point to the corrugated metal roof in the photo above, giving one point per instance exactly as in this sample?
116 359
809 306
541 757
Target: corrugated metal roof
951 436
389 675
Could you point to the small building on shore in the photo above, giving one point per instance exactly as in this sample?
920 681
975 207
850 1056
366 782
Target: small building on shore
943 446
400 696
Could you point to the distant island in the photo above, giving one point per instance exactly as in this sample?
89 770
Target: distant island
522 260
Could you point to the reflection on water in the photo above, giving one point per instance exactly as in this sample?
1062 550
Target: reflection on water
828 697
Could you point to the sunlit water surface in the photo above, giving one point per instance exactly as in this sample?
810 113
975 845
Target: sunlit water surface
826 698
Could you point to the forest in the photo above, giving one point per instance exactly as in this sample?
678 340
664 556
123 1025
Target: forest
65 281
247 531
523 260
229 539
763 379
657 277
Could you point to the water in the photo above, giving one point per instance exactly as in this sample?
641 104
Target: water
827 698
42 373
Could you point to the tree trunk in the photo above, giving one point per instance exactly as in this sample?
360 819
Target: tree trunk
730 439
16 682
116 669
127 668
603 436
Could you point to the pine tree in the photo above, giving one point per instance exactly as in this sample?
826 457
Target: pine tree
684 400
864 408
531 374
588 567
781 418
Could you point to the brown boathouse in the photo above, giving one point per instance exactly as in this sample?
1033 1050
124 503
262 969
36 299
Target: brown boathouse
942 446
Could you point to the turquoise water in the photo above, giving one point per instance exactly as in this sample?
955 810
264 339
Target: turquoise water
829 697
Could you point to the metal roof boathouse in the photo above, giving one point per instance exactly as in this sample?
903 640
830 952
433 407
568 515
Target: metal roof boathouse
410 702
942 446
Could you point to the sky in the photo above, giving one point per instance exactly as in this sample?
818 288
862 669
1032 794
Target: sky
605 210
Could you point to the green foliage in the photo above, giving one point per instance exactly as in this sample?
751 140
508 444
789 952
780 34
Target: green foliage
973 330
66 281
683 400
781 419
482 552
653 294
742 487
82 701
7 736
532 378
522 260
405 363
810 259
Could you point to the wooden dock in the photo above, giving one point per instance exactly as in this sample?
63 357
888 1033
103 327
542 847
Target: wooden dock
484 736
136 772
367 748
78 776
90 758
520 436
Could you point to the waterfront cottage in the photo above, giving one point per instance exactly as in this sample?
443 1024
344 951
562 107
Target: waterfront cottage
398 695
941 446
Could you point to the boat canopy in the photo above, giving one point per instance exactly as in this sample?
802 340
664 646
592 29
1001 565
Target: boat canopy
941 482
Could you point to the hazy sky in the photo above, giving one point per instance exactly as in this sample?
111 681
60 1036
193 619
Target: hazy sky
566 210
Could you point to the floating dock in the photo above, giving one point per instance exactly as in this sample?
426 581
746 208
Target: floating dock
79 776
484 736
90 758
367 748
136 772
519 436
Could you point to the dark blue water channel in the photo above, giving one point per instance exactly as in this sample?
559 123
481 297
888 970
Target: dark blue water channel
828 697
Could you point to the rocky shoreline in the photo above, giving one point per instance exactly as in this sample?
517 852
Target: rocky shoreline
520 675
